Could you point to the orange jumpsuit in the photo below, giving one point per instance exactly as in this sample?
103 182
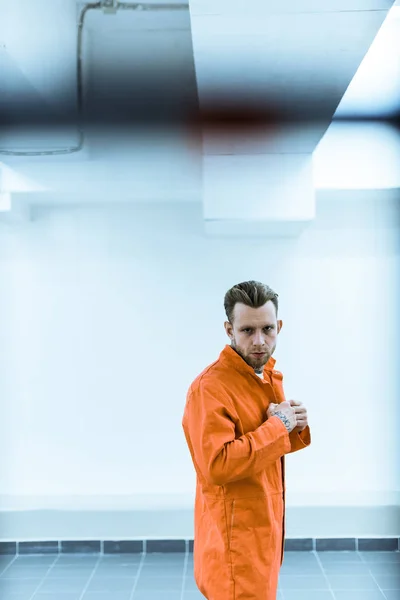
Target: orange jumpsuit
238 456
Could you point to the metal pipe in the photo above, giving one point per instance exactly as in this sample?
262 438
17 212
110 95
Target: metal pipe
150 6
92 6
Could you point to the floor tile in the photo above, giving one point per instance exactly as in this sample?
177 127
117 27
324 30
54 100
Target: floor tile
71 572
48 559
77 559
292 557
301 569
58 596
162 570
193 596
359 595
299 582
386 568
345 568
123 559
307 595
111 584
329 557
161 577
153 557
392 594
105 596
117 571
158 595
190 584
389 582
16 572
19 586
159 584
352 582
4 595
307 562
380 556
65 584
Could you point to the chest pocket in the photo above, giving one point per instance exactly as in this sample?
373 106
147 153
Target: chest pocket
277 384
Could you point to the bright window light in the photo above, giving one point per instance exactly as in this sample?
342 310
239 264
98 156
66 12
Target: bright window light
358 156
375 89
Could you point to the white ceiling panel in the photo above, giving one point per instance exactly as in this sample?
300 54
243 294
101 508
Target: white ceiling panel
269 7
301 63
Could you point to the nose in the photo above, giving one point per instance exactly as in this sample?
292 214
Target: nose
258 339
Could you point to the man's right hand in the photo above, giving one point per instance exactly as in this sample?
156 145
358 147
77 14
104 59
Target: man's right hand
287 410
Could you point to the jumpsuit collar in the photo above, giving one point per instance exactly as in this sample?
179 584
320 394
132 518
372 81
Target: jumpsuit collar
231 358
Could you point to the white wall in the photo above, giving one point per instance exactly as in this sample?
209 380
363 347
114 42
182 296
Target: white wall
107 314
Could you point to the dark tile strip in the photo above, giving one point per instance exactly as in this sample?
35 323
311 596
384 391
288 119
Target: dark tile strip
166 546
378 544
169 546
299 545
8 547
80 547
37 547
335 544
123 547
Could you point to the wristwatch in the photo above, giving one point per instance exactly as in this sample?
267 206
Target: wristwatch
284 419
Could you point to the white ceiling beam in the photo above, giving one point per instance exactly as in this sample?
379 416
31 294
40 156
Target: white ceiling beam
271 194
270 7
284 67
14 210
104 180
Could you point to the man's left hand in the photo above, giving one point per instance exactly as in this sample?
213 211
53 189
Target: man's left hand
301 415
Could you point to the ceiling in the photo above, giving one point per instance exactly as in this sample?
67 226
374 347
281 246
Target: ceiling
163 89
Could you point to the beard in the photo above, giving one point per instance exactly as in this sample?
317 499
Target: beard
257 364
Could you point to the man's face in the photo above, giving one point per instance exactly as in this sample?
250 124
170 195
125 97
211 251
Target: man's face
253 333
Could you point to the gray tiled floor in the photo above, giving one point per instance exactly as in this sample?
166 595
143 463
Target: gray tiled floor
304 576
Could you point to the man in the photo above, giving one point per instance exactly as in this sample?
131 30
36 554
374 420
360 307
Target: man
238 427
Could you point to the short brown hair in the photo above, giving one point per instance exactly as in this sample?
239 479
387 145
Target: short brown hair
250 293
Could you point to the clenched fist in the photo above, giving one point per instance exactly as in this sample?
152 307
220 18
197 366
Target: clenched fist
301 415
294 411
285 409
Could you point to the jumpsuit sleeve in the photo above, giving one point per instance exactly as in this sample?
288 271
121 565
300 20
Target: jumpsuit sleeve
210 424
299 440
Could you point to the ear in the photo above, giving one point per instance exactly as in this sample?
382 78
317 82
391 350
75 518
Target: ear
229 329
280 323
